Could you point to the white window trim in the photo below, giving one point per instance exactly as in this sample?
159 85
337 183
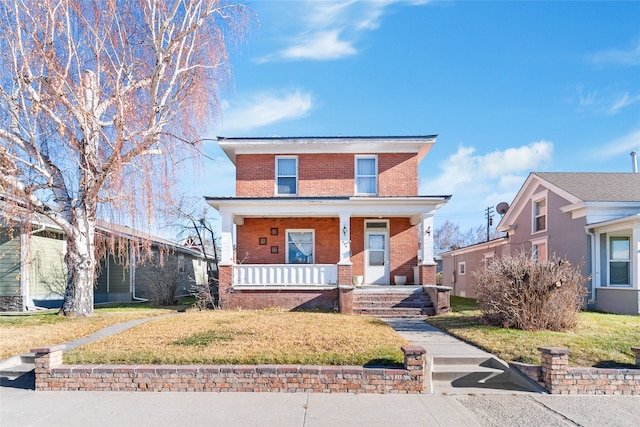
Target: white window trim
538 242
299 230
487 257
629 260
277 176
462 268
543 195
355 174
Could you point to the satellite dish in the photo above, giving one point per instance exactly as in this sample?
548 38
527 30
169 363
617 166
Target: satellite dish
502 208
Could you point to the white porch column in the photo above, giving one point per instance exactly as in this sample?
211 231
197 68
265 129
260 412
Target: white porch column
345 238
426 239
226 239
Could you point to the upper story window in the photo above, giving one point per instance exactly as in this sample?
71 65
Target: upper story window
286 176
539 215
366 175
619 260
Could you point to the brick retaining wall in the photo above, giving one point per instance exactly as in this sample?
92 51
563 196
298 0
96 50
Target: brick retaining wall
555 375
52 375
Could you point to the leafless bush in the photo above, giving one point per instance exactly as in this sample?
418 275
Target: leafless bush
162 282
206 295
518 292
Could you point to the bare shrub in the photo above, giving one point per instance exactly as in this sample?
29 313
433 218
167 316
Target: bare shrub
162 281
519 292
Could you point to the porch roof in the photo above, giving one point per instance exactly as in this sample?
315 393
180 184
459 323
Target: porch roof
259 207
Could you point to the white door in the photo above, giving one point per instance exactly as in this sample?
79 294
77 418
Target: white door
376 253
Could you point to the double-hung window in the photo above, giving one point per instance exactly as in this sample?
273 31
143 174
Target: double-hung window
366 175
286 176
539 215
619 260
299 247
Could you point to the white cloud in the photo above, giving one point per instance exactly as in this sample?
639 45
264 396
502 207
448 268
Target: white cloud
477 181
629 57
331 29
319 46
624 101
622 145
265 109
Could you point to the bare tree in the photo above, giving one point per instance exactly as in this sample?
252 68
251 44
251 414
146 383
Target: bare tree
89 89
448 236
191 220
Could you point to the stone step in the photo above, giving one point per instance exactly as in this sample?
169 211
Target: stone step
17 371
470 373
394 312
382 304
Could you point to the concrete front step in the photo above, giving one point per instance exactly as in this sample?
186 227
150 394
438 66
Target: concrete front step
475 374
394 312
17 366
17 371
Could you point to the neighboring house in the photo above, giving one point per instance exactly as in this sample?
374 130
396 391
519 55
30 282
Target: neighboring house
40 282
590 219
313 213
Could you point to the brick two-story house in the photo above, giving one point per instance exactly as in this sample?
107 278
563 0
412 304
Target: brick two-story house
311 214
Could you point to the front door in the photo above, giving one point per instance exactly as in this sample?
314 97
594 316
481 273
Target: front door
376 253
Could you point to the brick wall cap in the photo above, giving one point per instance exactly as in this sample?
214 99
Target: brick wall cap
413 349
48 349
554 350
346 287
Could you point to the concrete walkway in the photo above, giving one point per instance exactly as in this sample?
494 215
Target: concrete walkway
456 367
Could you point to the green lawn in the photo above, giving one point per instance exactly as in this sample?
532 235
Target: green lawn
599 339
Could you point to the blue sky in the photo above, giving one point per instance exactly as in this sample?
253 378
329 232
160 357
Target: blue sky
509 87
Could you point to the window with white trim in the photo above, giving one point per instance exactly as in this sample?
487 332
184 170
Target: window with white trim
300 246
462 268
366 175
286 176
619 254
539 251
539 215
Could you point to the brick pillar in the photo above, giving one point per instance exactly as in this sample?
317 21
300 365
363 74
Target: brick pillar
225 281
345 299
427 274
414 360
45 359
636 350
344 274
555 363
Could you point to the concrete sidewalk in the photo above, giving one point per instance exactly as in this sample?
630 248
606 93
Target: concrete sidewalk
30 408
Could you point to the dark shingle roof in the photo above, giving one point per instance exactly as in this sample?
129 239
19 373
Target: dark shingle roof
596 186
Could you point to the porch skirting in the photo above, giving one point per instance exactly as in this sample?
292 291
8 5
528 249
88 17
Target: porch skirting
286 298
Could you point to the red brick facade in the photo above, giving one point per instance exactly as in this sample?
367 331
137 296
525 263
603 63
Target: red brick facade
322 175
250 251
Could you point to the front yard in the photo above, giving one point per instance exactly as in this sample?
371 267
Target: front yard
250 337
20 333
599 339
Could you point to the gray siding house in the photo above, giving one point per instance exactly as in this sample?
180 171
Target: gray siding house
40 282
590 219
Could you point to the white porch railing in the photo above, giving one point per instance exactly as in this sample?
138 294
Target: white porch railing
285 274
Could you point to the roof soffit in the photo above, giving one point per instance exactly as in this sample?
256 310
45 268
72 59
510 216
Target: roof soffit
419 145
